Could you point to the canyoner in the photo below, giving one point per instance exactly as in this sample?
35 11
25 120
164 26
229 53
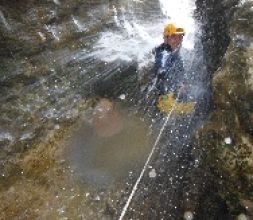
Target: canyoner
168 73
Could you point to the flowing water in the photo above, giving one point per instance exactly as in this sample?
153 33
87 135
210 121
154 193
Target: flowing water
58 60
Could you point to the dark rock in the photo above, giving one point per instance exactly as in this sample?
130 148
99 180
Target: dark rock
230 164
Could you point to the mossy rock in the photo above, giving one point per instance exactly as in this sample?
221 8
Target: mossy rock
231 164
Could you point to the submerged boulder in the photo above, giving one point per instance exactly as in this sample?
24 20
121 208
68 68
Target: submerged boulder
106 119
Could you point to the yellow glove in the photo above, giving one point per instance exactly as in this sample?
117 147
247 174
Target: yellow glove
168 103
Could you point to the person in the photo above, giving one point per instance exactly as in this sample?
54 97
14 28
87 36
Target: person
168 67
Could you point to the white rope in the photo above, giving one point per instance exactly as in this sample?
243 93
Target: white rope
145 166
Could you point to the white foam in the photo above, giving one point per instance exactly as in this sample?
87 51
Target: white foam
129 45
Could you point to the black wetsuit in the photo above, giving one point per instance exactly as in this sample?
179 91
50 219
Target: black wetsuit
168 69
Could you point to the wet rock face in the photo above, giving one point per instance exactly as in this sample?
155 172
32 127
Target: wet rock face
215 17
29 30
46 72
39 73
46 66
226 141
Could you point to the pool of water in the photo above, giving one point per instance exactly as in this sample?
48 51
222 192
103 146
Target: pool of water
100 157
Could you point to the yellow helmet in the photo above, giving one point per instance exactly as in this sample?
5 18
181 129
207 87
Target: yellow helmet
171 29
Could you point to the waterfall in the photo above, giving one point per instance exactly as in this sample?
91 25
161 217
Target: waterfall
181 13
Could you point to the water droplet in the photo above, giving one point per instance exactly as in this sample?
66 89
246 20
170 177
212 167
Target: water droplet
122 96
152 173
188 215
97 198
228 140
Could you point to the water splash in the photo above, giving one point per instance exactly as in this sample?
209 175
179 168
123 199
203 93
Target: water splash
3 20
6 136
133 43
81 27
181 13
57 2
134 39
53 29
